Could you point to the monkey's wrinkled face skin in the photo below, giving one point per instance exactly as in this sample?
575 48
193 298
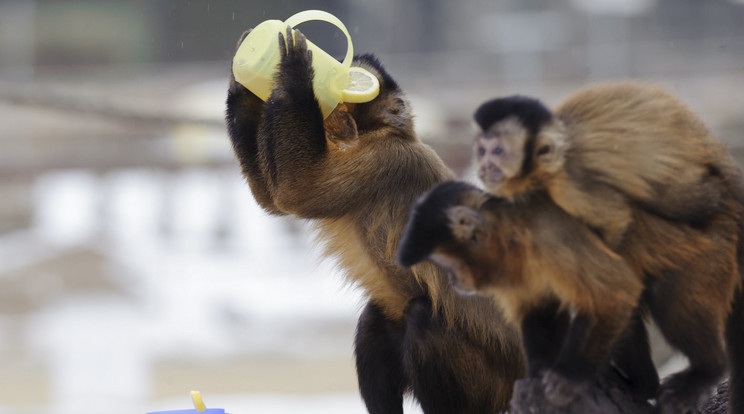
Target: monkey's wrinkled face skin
499 152
460 275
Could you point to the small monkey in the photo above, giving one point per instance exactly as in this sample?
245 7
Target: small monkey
355 175
539 263
604 148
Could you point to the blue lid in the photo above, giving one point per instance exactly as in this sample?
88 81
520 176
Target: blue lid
192 411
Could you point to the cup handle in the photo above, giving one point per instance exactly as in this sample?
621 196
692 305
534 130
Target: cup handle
321 15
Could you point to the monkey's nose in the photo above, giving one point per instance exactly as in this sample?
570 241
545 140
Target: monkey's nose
491 168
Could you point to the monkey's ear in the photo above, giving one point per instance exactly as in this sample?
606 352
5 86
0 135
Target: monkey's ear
467 226
550 145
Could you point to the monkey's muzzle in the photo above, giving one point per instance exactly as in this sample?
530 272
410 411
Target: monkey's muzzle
490 174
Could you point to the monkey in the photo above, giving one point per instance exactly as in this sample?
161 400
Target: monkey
541 263
355 176
604 148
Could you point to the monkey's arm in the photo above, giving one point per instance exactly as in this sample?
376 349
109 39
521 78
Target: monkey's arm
602 291
305 177
244 110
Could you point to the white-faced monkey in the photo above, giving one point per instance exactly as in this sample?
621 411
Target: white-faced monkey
604 148
356 177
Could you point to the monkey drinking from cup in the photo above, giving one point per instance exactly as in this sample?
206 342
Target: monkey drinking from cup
356 176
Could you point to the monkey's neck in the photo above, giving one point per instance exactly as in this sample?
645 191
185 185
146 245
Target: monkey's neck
516 189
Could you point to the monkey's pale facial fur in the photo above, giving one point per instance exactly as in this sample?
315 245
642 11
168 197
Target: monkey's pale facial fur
500 151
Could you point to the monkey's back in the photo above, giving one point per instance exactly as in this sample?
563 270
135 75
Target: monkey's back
646 144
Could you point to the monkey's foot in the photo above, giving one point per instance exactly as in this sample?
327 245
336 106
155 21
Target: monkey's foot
676 397
561 391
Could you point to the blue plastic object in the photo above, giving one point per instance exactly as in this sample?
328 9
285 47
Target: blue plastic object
198 403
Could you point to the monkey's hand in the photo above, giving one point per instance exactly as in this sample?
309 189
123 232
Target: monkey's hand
295 75
561 391
676 397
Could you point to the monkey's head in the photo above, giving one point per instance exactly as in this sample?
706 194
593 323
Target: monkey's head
519 138
389 109
446 228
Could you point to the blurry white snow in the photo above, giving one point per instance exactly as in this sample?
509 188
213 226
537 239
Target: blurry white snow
209 275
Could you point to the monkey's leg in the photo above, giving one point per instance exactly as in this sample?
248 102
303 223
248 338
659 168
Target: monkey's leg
543 329
632 357
696 332
735 345
382 381
243 115
587 347
453 372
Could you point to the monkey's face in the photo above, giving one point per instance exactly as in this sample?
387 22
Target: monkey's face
499 152
464 255
389 109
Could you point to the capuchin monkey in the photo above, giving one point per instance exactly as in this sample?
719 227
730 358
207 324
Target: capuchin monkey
604 149
537 262
608 155
541 263
356 176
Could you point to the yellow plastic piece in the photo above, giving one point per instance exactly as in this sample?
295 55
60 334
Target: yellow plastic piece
363 86
257 57
198 402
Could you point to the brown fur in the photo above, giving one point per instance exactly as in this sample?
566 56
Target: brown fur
356 176
635 165
532 251
618 144
529 253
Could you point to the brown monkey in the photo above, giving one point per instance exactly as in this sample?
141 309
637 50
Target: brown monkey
535 259
619 156
357 177
603 149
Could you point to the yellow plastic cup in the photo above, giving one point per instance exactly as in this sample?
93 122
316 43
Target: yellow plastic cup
256 60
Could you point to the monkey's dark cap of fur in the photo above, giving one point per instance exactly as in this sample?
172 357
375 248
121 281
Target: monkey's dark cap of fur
372 61
428 226
530 112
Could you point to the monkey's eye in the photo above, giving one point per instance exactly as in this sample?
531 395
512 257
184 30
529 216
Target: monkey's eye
481 151
543 150
498 150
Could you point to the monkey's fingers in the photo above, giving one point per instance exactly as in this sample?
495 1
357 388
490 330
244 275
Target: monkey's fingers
290 41
300 42
282 46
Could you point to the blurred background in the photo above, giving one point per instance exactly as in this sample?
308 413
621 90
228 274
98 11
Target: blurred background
134 263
